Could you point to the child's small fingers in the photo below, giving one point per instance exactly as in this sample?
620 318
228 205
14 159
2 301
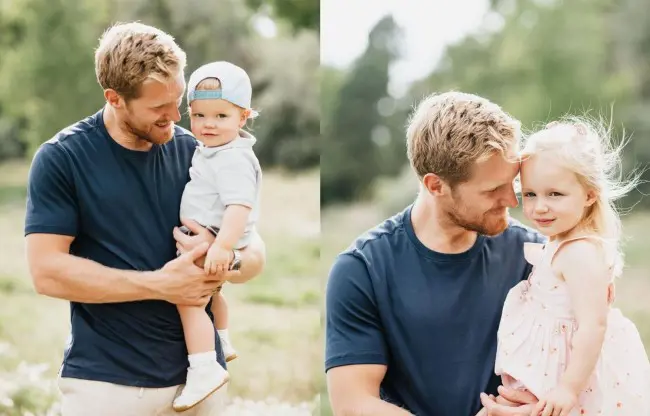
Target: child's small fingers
537 410
548 410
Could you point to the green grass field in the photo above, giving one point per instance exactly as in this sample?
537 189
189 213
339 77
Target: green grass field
275 318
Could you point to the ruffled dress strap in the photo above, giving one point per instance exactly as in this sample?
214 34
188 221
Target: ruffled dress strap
610 259
608 248
533 253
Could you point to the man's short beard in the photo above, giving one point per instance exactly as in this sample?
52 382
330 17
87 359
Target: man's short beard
138 133
479 225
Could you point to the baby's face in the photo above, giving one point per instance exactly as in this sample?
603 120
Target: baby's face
553 198
216 122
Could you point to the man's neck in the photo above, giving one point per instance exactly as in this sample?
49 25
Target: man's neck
117 131
434 229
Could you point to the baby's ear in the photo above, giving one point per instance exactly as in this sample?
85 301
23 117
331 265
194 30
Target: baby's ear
533 252
591 197
244 117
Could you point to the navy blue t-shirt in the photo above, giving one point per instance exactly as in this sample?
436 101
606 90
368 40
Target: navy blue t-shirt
120 206
431 318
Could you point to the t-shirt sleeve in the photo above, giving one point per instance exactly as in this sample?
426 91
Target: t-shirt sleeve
51 201
353 329
236 179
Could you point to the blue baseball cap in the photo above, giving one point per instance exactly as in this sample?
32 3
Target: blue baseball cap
235 85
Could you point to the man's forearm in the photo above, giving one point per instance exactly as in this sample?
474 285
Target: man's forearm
65 276
370 406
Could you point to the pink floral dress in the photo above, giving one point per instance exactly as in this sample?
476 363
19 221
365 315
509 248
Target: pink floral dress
534 344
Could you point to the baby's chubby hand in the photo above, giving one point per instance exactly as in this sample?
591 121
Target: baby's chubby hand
218 259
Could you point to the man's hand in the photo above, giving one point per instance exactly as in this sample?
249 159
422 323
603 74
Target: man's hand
185 243
499 400
509 403
184 283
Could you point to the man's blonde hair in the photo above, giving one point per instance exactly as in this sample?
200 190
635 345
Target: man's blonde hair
130 53
448 133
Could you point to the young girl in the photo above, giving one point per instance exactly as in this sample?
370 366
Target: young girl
223 196
560 338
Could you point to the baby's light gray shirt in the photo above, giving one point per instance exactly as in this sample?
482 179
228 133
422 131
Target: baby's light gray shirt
222 176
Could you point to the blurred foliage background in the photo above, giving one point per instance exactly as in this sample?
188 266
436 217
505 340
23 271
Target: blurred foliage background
47 78
538 59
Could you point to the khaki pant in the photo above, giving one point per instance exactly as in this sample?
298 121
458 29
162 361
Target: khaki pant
97 398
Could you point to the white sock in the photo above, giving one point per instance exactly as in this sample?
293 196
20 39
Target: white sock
223 334
202 358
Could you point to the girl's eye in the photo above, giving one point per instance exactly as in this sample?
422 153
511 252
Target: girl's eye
528 194
556 194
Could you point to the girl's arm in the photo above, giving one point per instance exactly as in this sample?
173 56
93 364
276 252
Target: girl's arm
583 267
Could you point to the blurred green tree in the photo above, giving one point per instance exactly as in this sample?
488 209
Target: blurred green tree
47 78
350 160
632 46
289 122
539 60
47 72
549 59
302 14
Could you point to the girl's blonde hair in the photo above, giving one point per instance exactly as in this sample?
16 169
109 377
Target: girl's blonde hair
585 146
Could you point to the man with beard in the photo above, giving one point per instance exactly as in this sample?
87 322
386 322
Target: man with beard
413 306
103 200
